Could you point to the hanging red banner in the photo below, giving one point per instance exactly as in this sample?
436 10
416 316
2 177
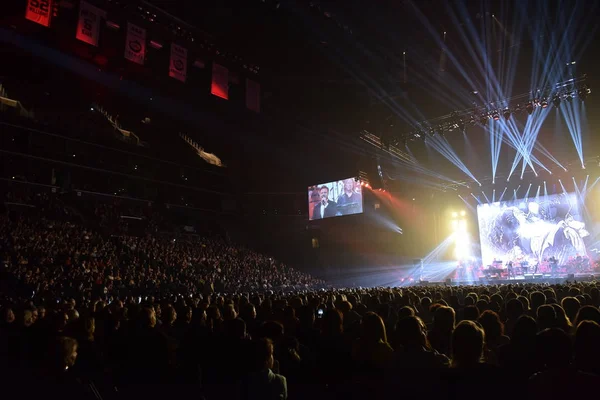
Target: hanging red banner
39 11
178 63
135 45
88 27
253 95
220 81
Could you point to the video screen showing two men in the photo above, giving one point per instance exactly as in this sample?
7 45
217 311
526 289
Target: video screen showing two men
335 199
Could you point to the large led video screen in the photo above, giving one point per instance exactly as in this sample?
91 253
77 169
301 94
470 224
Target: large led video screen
532 230
335 199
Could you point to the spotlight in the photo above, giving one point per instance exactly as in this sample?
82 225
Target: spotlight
529 108
472 120
506 114
454 214
544 103
496 116
484 119
556 101
583 93
463 213
569 98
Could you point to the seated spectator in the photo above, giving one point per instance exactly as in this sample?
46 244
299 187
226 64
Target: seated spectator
516 356
546 317
494 331
557 379
468 340
334 348
88 360
441 333
587 349
148 351
536 300
468 370
470 313
571 306
514 310
372 350
263 383
351 317
562 321
587 313
405 312
412 347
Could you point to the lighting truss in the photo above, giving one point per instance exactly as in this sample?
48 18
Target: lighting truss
363 177
527 102
487 182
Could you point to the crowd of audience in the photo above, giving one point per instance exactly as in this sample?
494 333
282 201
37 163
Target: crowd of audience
89 315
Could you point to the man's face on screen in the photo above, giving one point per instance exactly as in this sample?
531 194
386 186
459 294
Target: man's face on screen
324 193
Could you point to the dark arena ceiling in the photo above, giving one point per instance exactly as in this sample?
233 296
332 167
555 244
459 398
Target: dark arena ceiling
334 72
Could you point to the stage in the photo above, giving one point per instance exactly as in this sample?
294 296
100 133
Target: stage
520 279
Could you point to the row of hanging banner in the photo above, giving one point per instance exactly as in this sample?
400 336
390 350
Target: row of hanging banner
88 31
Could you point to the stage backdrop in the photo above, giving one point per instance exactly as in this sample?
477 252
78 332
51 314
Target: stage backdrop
532 229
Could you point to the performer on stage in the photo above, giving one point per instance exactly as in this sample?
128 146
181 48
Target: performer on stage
524 266
553 266
511 274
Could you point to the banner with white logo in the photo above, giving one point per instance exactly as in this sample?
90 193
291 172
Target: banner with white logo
88 27
39 11
135 44
220 81
178 63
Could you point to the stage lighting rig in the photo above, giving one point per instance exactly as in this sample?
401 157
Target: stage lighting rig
529 108
583 92
556 101
481 114
363 177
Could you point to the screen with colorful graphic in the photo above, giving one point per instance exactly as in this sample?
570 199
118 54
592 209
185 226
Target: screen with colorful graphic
533 230
333 199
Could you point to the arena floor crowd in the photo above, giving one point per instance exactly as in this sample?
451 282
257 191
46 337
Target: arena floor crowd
88 315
